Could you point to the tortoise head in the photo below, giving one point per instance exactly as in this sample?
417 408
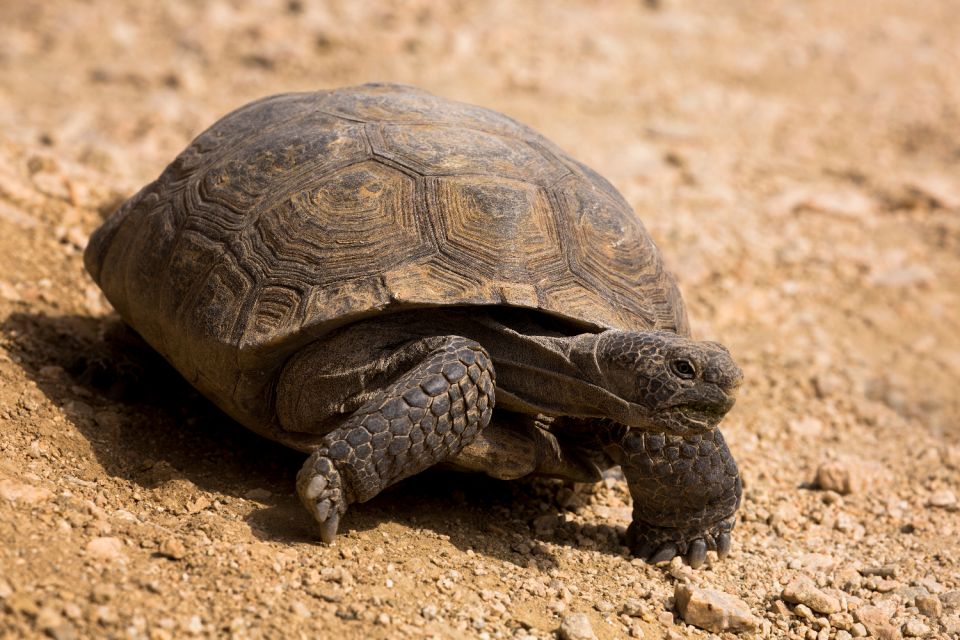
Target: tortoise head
672 383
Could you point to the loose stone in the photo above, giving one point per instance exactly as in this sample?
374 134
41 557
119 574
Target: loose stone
713 610
929 606
915 629
802 590
576 626
877 623
105 548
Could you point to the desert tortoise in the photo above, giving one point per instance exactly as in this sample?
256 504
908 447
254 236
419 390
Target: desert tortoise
364 274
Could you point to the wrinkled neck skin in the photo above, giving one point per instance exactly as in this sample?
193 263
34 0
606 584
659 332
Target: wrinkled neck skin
561 377
539 370
550 375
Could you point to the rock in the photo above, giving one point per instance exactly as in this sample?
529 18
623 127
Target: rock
576 626
903 276
635 608
681 571
604 606
106 548
173 548
884 586
944 499
52 623
877 623
713 610
951 601
816 562
951 625
915 629
806 427
9 293
23 493
884 571
939 190
929 606
930 583
842 476
545 525
845 202
848 579
802 590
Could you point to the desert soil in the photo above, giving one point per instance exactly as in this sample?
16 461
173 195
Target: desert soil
798 164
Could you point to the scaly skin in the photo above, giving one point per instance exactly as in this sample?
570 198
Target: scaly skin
685 490
428 414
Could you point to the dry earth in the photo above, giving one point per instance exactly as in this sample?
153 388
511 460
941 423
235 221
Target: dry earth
799 165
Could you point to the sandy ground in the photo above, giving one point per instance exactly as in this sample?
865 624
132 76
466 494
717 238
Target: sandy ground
797 162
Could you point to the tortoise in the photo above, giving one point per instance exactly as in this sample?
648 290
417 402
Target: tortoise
387 281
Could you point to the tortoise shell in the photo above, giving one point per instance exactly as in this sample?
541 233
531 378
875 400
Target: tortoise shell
302 212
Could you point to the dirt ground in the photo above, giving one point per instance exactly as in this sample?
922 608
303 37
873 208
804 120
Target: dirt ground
798 164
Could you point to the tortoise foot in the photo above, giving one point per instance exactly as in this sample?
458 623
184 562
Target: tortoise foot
319 486
661 544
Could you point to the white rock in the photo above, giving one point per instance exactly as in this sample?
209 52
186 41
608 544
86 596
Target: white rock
915 629
802 590
23 493
106 548
576 626
713 610
944 499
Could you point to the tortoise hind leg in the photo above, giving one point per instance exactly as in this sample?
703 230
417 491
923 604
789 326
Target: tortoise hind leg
427 414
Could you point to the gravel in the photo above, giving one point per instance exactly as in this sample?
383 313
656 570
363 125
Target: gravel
792 160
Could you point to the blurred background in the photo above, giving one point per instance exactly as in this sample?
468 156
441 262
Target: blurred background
797 162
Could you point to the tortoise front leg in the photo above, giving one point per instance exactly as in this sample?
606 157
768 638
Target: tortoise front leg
685 490
428 414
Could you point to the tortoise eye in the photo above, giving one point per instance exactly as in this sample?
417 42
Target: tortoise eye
684 369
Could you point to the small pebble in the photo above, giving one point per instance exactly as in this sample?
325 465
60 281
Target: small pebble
930 606
173 548
842 476
632 607
106 548
802 590
576 626
23 493
915 629
877 623
945 499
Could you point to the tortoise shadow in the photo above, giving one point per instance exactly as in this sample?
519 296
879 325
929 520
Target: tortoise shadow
147 425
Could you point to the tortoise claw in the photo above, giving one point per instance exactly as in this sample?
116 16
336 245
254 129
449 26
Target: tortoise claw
328 527
318 484
697 553
665 553
723 544
646 550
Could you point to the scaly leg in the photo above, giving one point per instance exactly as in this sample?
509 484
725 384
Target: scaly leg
685 490
428 414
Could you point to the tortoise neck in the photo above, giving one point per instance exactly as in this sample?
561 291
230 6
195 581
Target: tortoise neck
553 375
540 367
